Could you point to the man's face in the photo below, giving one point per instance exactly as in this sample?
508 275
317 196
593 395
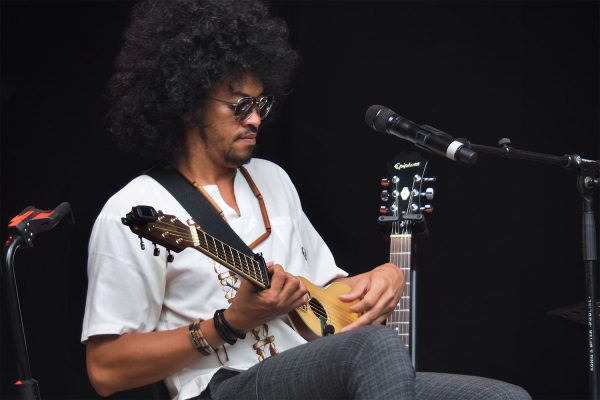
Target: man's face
228 141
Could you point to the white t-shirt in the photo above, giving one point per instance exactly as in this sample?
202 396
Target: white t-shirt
131 290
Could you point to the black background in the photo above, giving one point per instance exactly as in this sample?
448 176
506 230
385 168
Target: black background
505 238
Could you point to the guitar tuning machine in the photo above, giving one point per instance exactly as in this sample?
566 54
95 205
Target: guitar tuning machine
142 245
426 209
385 195
170 257
419 178
428 193
156 251
384 182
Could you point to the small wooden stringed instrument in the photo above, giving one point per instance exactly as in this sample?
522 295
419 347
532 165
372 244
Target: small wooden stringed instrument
323 314
403 196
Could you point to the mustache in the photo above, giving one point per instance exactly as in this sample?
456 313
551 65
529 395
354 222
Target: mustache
251 130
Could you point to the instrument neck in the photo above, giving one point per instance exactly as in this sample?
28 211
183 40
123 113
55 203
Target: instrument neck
400 253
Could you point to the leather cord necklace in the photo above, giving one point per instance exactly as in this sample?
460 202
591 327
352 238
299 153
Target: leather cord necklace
261 203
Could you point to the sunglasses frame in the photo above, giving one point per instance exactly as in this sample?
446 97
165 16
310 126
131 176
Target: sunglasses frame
255 105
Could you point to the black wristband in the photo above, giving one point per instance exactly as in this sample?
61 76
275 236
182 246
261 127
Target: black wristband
222 330
238 334
226 331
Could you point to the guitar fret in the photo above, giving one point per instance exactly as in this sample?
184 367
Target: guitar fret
239 260
246 262
224 253
400 255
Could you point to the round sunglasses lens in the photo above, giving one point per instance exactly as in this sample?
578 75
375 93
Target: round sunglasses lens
244 108
265 104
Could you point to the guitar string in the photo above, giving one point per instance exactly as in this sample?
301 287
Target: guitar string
183 234
221 253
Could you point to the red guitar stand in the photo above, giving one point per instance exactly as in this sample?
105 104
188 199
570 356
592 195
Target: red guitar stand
23 229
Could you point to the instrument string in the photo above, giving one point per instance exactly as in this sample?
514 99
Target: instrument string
220 252
247 265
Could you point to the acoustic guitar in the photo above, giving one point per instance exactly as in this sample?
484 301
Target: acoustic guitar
323 314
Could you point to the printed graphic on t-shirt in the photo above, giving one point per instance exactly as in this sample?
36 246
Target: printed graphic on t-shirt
265 343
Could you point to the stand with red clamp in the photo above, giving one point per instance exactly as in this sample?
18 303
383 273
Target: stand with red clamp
23 229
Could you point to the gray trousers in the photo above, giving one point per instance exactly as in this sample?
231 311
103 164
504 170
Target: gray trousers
366 363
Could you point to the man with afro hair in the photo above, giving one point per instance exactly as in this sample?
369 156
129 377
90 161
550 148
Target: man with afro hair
193 82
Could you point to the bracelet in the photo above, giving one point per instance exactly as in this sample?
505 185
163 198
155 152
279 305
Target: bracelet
224 330
236 333
198 340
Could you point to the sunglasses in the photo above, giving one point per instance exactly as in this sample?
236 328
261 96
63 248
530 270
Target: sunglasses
244 106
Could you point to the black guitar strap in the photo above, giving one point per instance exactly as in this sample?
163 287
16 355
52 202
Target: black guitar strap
197 206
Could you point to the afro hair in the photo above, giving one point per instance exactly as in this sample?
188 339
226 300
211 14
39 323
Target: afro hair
174 52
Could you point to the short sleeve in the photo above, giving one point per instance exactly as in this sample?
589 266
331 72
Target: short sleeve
126 285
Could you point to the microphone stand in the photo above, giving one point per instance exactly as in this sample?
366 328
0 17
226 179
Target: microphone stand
588 179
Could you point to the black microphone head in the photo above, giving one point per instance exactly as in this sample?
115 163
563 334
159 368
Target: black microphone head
377 117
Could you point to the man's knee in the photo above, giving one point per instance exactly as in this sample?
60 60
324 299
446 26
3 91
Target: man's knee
432 386
378 342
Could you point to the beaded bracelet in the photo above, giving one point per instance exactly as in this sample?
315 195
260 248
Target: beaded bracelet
198 340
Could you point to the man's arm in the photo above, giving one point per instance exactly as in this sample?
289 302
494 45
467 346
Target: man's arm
120 362
379 291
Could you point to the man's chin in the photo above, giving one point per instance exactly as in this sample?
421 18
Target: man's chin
240 159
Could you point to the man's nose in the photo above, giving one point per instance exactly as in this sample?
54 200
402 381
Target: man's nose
253 119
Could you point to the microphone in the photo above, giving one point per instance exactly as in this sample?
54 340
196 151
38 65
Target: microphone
382 119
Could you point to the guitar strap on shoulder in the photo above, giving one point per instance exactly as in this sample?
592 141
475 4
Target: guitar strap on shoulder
197 206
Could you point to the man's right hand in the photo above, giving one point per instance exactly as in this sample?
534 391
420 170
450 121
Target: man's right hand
252 307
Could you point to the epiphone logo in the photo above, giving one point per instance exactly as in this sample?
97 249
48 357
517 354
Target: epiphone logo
406 165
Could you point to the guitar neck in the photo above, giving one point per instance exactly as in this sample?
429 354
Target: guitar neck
399 319
251 268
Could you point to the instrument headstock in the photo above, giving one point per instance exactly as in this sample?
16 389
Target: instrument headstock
163 229
406 195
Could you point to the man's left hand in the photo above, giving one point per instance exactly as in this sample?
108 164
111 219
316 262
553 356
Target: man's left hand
379 291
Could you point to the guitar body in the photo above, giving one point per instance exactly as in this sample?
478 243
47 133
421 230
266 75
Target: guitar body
324 308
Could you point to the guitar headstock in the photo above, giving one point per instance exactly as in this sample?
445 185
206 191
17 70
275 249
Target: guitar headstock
405 193
163 229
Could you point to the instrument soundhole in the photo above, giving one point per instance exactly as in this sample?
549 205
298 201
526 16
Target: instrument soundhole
318 309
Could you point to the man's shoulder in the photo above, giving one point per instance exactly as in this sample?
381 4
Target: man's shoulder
142 190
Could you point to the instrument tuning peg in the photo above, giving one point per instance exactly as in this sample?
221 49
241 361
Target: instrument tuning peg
385 182
385 195
428 193
430 179
142 245
426 209
383 210
156 250
170 257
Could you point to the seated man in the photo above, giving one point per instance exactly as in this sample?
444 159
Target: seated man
194 81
